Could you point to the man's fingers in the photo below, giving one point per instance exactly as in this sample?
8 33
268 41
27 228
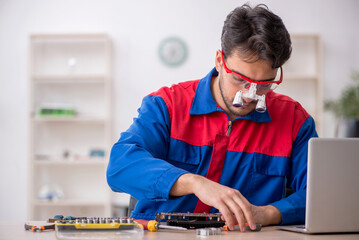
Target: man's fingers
234 207
227 215
237 211
246 210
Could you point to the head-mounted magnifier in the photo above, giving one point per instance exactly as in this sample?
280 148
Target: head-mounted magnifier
251 94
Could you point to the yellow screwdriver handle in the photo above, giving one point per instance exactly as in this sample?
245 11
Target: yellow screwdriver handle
152 226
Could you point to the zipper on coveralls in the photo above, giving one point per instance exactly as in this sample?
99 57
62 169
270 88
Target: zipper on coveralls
229 128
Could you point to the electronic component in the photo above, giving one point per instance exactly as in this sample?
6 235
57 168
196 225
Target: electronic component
192 220
98 228
203 232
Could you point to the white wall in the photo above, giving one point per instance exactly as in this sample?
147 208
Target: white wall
137 27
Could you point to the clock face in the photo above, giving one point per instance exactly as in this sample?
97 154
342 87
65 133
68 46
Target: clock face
172 51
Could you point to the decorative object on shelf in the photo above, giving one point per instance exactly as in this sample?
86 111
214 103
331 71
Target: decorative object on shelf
66 154
346 109
97 153
42 157
56 110
50 193
71 62
173 51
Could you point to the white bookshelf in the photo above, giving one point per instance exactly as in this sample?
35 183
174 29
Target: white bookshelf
70 70
302 75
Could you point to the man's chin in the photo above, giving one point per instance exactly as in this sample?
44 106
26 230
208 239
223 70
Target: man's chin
242 112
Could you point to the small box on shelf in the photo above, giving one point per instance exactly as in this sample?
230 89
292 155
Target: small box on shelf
56 110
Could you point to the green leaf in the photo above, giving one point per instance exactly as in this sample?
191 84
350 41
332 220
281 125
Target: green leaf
347 106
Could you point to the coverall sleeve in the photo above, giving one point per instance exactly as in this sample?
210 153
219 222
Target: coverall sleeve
137 164
293 207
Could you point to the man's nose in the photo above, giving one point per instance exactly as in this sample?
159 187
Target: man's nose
247 100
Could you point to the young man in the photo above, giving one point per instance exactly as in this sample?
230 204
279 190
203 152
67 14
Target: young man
226 143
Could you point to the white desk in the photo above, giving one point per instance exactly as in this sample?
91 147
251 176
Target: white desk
16 231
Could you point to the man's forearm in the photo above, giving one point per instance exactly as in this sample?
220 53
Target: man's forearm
184 184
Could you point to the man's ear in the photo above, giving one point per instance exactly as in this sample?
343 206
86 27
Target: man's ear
218 60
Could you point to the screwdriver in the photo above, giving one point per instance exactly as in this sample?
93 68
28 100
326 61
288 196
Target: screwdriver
154 225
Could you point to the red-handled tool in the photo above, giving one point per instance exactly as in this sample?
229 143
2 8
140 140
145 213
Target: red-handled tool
246 227
154 225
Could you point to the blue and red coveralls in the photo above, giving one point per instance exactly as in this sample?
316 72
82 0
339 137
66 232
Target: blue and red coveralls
181 130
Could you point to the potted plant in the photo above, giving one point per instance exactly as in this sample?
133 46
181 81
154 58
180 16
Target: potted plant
346 108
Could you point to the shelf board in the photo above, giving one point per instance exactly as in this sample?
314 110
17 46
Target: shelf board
291 77
70 36
69 202
70 119
52 162
69 79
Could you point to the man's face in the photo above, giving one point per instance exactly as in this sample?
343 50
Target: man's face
230 84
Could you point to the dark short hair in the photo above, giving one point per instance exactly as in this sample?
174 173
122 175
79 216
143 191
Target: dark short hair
256 32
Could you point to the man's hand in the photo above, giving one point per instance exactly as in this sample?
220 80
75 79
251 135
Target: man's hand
234 207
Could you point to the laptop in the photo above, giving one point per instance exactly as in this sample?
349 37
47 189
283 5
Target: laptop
332 187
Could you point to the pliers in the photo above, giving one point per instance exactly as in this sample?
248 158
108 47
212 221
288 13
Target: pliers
34 228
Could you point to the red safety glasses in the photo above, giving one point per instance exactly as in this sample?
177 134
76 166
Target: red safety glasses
262 82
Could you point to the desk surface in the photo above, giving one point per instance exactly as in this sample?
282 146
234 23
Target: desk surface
16 231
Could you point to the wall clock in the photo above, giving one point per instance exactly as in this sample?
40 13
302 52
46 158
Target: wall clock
172 51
